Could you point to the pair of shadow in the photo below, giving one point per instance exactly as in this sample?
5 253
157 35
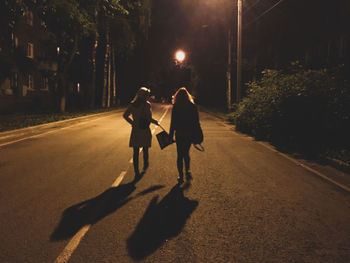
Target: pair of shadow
162 221
91 211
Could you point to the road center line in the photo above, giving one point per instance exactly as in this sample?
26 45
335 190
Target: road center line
119 179
75 240
72 245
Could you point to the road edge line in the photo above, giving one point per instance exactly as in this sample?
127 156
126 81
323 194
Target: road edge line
48 132
306 167
59 122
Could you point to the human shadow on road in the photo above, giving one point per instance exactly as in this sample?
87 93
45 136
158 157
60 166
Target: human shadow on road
91 211
160 222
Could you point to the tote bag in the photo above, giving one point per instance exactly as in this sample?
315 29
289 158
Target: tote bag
164 139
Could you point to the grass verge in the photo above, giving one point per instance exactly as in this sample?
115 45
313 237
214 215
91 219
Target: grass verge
22 120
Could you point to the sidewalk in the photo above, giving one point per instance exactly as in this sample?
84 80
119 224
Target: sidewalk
12 136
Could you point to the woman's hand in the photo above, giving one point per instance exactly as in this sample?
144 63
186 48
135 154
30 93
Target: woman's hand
155 122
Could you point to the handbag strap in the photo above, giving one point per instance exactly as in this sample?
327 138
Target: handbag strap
199 147
161 127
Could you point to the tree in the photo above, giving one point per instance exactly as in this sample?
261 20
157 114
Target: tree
108 26
120 26
68 22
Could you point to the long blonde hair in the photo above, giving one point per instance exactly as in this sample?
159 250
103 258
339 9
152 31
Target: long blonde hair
182 96
142 95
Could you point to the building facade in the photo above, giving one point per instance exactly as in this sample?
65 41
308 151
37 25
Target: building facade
29 65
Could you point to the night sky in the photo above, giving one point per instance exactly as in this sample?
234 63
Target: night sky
275 33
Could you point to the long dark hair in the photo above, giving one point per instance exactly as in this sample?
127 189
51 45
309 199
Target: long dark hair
182 97
141 96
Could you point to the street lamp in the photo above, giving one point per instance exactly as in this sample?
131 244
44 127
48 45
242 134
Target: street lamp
239 50
180 56
239 58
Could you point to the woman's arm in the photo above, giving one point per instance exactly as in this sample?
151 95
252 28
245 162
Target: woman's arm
154 121
150 115
196 115
127 114
172 125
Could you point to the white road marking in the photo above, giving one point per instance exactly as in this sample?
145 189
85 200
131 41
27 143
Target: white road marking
72 245
344 187
49 132
75 240
161 118
306 167
119 179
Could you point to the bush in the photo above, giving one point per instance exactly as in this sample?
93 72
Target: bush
304 109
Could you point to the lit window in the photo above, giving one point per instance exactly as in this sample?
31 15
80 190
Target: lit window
14 40
30 82
30 50
45 83
14 80
29 17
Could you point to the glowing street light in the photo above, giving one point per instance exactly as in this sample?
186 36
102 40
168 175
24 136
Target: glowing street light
180 56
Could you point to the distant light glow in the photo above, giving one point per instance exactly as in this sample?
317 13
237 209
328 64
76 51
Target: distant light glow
78 87
180 55
58 50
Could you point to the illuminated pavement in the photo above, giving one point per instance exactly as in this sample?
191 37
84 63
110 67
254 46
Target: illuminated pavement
65 195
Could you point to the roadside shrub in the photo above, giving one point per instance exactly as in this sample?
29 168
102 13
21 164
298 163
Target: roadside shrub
304 109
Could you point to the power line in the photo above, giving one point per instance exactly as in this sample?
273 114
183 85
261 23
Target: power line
246 10
264 13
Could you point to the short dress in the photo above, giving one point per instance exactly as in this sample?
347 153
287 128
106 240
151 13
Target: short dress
140 137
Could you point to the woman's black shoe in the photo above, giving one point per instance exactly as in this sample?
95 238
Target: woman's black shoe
180 179
189 176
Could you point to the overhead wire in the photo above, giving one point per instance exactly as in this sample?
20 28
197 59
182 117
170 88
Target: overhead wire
264 13
246 10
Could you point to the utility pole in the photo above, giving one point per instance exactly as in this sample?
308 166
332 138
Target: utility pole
239 51
228 73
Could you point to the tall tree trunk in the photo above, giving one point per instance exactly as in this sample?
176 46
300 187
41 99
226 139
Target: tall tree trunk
109 72
100 58
63 76
114 75
106 89
92 86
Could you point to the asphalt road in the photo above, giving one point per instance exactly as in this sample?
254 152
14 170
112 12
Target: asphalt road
66 196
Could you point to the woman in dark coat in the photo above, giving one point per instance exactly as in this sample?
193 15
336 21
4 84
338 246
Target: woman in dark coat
141 136
184 120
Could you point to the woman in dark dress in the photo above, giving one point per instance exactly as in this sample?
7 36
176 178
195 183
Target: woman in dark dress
184 120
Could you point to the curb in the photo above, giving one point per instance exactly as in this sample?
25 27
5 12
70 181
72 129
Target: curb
306 167
14 131
338 164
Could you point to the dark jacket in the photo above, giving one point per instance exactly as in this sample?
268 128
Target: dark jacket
184 119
